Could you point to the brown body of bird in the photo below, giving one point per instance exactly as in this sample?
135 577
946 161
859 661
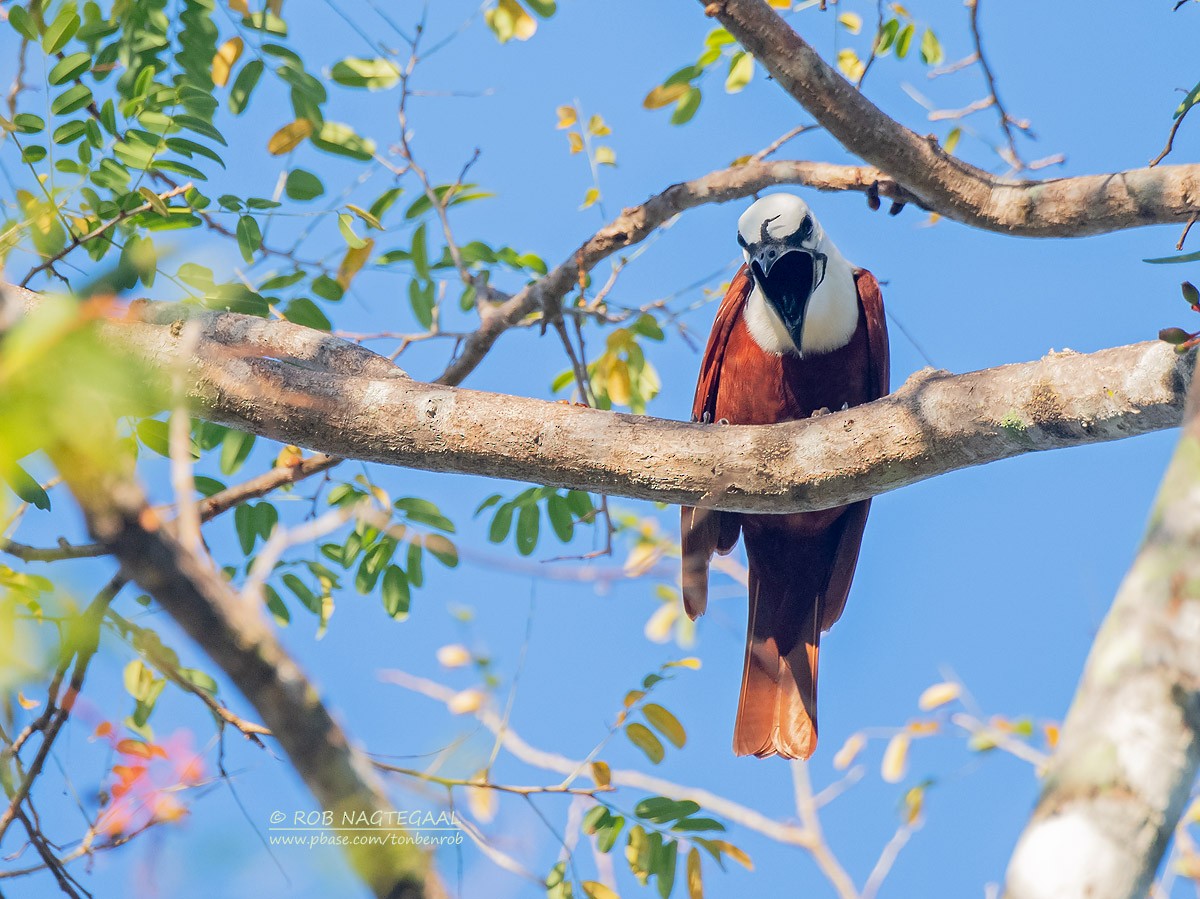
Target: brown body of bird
800 565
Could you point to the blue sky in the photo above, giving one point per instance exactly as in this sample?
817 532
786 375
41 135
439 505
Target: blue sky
999 575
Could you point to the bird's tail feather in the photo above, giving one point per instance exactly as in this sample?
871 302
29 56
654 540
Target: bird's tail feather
777 711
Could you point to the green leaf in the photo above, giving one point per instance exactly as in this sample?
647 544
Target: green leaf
342 140
666 724
304 593
686 107
384 202
414 567
303 311
154 435
249 237
69 68
243 86
1167 260
72 99
422 511
199 679
580 503
660 809
26 487
397 597
544 8
20 19
374 74
421 296
420 253
697 825
931 49
664 868
501 524
561 518
61 30
346 226
235 448
904 40
528 524
303 185
243 525
642 737
27 122
276 606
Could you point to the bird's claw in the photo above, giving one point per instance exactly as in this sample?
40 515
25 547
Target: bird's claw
817 413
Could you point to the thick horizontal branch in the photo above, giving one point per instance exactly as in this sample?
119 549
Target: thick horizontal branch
937 422
1059 207
639 222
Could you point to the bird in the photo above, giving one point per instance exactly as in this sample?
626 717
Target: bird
799 332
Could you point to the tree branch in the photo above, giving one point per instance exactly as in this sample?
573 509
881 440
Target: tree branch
238 639
1059 207
1130 745
935 423
635 224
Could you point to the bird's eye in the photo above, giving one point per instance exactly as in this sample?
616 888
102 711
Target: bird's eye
742 242
806 226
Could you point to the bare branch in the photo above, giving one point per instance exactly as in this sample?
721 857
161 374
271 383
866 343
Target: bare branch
1060 207
935 423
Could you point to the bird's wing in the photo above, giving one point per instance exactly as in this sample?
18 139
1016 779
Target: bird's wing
705 531
854 521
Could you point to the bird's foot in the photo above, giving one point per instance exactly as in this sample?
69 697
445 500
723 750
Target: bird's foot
817 413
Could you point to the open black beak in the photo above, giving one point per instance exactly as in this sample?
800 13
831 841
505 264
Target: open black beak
787 277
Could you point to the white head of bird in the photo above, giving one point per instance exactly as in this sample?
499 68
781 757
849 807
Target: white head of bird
804 299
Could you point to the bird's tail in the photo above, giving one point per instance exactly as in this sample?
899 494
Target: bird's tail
788 579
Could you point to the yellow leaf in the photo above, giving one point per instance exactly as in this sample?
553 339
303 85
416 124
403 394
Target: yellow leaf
734 853
455 655
620 389
849 751
575 140
921 727
643 556
567 116
289 457
289 137
239 6
353 261
27 703
481 800
601 773
849 64
594 889
508 19
157 203
605 156
851 21
658 627
914 801
895 758
1050 729
466 701
780 4
939 695
665 95
227 54
597 127
690 662
695 881
901 11
741 70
